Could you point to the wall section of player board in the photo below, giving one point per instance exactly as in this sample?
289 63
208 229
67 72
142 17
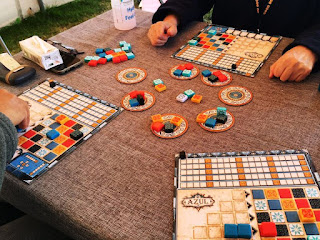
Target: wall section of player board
67 111
202 208
237 51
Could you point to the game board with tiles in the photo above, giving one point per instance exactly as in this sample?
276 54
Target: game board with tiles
60 119
247 195
237 51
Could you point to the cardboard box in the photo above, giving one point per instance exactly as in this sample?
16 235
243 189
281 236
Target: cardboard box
41 52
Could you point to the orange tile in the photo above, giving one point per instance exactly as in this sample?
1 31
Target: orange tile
212 48
305 168
273 169
276 182
269 158
209 178
50 94
89 106
67 101
59 88
208 165
112 110
239 165
271 193
99 121
62 104
208 171
75 96
238 159
302 162
104 117
240 170
80 112
45 97
307 174
75 116
209 184
61 139
243 183
93 103
300 157
71 99
94 125
55 91
271 164
59 150
22 140
274 175
85 109
242 177
310 181
207 160
40 100
108 114
57 108
62 129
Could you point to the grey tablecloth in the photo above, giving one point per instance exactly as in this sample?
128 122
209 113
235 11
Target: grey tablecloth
119 184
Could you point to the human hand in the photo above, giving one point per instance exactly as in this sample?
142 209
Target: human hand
15 109
295 65
160 31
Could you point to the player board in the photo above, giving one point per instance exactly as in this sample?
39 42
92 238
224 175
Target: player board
229 49
252 188
74 116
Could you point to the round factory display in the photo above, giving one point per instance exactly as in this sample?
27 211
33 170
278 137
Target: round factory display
235 95
131 75
219 127
217 82
178 72
178 129
147 102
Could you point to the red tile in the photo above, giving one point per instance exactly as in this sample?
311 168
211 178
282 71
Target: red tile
225 35
30 134
285 193
68 143
70 123
67 133
283 238
229 40
202 42
205 46
27 144
302 203
317 214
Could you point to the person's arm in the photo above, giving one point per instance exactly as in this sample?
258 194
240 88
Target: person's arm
13 111
301 56
174 14
8 143
185 10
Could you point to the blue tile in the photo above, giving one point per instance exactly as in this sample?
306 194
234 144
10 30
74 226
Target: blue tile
177 72
54 125
244 231
311 229
53 134
50 156
52 145
274 204
53 117
258 194
292 217
219 49
230 231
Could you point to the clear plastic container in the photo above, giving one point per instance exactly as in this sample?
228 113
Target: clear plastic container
123 14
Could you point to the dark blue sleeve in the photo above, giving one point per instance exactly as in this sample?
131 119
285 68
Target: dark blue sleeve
186 10
310 38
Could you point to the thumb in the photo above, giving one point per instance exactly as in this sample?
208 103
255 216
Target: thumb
271 74
172 30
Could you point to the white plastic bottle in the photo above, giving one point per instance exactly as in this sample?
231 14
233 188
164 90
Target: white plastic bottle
123 14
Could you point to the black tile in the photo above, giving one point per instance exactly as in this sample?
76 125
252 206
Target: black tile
298 193
36 138
38 128
34 148
77 126
315 203
263 217
282 230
